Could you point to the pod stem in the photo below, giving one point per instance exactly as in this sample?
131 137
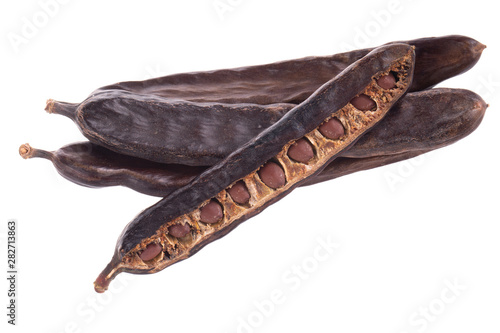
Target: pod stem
26 151
62 108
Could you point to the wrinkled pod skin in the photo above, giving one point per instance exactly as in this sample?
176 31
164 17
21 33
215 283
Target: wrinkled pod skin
417 123
263 166
118 116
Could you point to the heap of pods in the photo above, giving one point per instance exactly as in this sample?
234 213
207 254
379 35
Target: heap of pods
255 134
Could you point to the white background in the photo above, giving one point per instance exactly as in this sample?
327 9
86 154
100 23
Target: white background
400 246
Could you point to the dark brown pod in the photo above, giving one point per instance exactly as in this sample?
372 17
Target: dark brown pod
292 81
90 165
160 130
331 100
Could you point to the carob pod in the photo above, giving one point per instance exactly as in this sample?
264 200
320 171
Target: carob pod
417 123
91 165
263 166
161 130
292 81
118 116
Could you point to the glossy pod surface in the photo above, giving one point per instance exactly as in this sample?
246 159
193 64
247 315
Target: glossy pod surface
184 206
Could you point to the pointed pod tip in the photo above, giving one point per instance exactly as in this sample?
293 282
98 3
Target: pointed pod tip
476 47
101 284
111 270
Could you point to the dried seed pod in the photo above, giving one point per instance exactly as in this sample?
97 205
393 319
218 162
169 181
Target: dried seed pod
184 205
419 122
292 81
90 165
160 130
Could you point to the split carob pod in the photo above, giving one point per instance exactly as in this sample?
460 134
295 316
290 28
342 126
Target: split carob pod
417 123
261 172
117 116
292 81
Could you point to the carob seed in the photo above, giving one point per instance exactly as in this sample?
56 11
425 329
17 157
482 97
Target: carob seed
301 151
387 81
239 193
179 230
332 129
363 103
272 175
150 252
211 212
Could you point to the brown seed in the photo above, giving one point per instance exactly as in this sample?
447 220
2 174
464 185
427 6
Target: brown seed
301 151
150 252
179 230
272 175
332 129
363 103
239 193
211 212
387 81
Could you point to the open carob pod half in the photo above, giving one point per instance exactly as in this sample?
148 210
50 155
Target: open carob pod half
417 123
262 171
